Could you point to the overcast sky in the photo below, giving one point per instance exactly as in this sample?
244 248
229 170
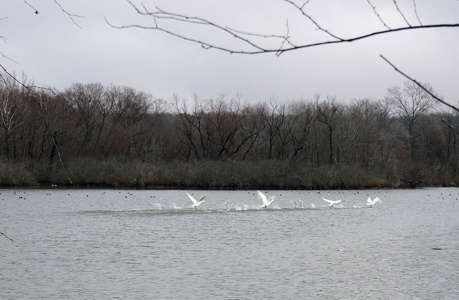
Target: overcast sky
53 51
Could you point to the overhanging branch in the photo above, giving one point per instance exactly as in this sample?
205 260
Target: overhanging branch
250 43
70 15
420 85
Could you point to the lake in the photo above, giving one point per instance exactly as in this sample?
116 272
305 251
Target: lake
138 244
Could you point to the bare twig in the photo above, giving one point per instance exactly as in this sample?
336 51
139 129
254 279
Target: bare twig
401 13
304 4
378 15
1 36
416 12
1 233
7 57
301 9
450 126
420 85
71 16
35 10
286 39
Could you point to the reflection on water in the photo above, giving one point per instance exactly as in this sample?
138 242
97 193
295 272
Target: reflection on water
101 244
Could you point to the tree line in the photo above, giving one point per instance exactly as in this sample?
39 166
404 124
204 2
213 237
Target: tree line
116 136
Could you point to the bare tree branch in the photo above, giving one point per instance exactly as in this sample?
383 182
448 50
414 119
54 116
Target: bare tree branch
71 16
251 43
428 91
160 14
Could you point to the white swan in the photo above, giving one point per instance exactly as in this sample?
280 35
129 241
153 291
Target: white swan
196 203
371 203
266 202
331 203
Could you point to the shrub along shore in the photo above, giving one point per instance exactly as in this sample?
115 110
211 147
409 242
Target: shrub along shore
209 175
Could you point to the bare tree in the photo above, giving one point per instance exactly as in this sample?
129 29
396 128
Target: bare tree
187 126
362 134
85 101
8 115
326 113
295 132
274 117
410 103
224 123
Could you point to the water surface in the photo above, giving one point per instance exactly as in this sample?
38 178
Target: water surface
108 244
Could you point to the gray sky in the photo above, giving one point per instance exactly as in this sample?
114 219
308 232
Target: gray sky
53 51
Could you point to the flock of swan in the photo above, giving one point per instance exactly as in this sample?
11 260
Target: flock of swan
267 201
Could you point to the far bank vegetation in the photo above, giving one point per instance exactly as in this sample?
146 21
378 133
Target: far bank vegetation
115 136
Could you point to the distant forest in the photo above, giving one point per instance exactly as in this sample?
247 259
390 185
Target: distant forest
115 136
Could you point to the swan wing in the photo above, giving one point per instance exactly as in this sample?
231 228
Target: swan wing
369 201
192 198
329 201
263 197
377 200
